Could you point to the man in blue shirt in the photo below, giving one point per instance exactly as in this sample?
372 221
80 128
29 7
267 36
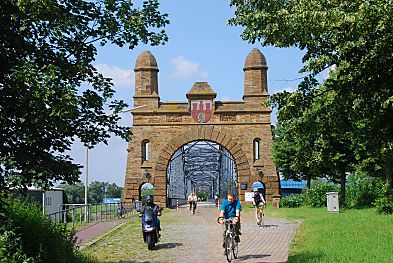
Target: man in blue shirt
231 208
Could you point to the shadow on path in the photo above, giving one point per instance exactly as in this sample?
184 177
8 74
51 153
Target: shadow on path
254 257
269 226
168 246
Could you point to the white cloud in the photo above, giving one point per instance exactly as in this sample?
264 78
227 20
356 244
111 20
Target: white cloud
287 89
185 68
325 74
121 77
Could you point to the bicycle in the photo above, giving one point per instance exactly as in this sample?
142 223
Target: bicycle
261 214
121 211
231 245
193 206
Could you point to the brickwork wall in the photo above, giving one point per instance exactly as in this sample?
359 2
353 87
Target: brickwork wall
168 126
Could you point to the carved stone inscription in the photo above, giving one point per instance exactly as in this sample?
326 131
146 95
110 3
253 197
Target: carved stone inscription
226 118
174 118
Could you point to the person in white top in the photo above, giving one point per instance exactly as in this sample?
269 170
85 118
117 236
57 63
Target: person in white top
216 199
192 200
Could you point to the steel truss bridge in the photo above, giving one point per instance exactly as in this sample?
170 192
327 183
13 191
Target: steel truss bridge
201 166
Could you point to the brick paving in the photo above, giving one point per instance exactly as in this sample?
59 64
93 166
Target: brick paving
198 238
201 238
94 231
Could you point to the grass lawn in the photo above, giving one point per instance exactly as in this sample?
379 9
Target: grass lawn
355 235
126 243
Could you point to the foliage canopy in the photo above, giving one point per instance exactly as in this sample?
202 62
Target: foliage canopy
353 39
50 91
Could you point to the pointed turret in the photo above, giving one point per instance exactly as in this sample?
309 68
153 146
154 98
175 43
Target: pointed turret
255 76
146 80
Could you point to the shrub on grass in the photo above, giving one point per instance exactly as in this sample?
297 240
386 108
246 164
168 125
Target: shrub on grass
363 190
293 200
28 236
316 196
384 205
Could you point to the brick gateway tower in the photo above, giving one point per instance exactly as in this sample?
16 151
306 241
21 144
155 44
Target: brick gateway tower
160 128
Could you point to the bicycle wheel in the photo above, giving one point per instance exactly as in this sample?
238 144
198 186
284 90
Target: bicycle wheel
235 248
228 246
123 213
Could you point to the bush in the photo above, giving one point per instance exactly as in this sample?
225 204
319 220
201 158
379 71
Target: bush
293 200
384 205
316 196
11 249
28 236
363 190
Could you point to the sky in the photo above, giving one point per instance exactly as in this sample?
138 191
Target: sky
201 47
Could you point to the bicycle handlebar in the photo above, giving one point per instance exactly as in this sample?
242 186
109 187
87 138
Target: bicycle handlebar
225 220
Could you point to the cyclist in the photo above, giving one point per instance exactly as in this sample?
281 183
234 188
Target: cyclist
192 200
216 199
121 211
259 203
231 208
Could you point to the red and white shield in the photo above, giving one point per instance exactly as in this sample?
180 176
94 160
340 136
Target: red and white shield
201 110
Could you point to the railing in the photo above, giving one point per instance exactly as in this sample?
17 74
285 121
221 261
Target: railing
172 202
74 214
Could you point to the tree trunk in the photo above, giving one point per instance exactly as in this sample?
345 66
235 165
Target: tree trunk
308 178
343 178
389 177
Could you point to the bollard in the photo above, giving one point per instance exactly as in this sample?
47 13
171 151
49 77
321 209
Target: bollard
177 204
218 204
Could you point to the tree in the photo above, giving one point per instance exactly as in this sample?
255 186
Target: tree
75 193
113 191
356 38
97 191
47 50
290 152
310 141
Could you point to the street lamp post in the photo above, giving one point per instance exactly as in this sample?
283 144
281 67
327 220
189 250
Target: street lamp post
86 181
87 164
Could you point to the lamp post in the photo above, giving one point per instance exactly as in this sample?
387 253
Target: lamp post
87 163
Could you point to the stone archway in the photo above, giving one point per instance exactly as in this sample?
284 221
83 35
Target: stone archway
209 134
160 128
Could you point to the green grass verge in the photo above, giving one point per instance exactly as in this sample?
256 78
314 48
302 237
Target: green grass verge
355 235
125 244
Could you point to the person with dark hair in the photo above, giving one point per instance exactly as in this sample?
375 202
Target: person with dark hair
192 200
216 199
259 205
156 209
231 208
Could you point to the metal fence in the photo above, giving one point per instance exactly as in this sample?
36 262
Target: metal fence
78 214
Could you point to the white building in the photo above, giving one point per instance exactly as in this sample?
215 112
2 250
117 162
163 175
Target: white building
50 200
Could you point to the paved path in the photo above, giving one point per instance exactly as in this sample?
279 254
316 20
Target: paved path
94 231
198 238
268 244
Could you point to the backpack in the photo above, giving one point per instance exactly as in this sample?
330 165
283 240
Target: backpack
257 198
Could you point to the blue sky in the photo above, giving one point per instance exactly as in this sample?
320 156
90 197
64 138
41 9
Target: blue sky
201 47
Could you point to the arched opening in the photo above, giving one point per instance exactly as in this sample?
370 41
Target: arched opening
145 189
145 150
261 188
201 167
257 146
